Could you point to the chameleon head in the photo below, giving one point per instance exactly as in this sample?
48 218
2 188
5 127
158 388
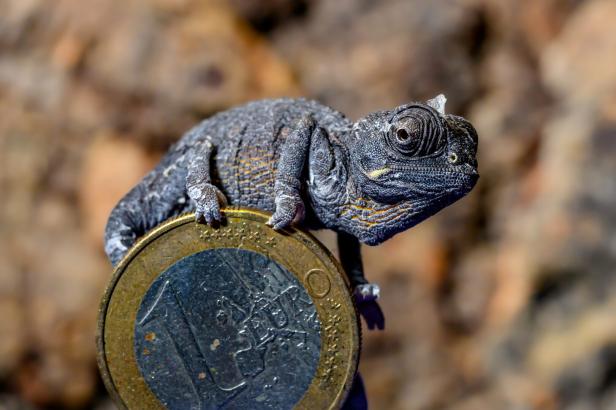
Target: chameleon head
409 163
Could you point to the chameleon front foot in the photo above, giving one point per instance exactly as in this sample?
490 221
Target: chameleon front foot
289 208
208 202
366 296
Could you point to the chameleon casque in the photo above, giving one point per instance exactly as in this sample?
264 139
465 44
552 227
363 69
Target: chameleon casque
307 163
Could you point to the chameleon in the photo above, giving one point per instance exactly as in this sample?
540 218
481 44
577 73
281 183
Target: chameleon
309 164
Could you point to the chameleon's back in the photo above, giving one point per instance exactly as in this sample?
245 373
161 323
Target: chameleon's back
247 142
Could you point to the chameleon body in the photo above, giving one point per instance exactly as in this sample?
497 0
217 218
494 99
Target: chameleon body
307 163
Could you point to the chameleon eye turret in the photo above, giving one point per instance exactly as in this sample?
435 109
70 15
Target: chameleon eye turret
418 132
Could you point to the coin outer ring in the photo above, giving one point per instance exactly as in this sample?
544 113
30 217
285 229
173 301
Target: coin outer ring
314 266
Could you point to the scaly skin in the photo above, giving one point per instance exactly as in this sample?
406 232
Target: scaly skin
307 163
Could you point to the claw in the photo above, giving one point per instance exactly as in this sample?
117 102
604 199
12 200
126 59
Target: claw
213 215
199 216
366 296
288 210
208 217
367 292
208 200
372 314
278 222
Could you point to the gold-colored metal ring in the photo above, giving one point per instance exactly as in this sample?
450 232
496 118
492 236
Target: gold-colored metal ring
298 251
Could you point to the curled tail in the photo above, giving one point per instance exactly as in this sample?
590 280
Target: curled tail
159 196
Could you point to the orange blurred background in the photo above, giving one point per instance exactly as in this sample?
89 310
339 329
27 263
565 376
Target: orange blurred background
505 300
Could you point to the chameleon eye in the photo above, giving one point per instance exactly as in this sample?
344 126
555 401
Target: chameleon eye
407 141
403 135
453 158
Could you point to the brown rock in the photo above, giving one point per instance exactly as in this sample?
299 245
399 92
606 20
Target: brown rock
510 115
64 277
165 64
558 232
526 24
469 290
50 277
581 73
198 60
12 341
360 58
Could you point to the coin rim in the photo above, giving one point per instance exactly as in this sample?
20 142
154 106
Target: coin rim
251 214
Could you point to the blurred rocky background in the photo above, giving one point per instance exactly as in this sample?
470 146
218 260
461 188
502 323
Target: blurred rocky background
506 300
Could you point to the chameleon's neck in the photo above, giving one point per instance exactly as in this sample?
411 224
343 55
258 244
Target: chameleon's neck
337 199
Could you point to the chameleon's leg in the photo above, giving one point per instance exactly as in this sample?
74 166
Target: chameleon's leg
365 294
349 250
157 197
208 198
289 204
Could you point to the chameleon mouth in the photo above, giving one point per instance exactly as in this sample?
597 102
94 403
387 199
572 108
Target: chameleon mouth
466 174
470 179
464 170
467 169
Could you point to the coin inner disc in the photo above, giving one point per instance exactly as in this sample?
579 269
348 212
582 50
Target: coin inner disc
227 327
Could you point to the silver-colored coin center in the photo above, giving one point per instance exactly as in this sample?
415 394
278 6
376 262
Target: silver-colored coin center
227 328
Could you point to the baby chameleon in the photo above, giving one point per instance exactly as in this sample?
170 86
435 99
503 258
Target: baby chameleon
307 163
